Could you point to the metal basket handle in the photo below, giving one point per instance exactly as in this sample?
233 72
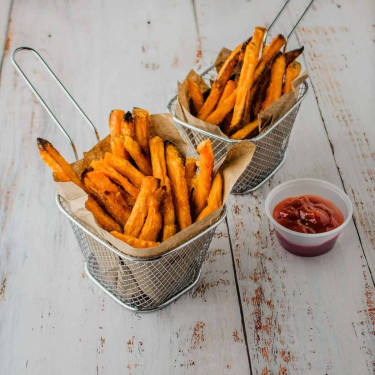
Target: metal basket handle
41 100
293 28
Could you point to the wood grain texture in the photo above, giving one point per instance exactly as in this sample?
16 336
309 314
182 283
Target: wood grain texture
302 316
5 37
340 57
53 319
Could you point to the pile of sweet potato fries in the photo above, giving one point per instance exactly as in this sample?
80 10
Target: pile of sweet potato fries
143 191
247 83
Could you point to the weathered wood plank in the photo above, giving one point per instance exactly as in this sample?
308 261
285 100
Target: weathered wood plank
340 56
5 38
302 316
52 318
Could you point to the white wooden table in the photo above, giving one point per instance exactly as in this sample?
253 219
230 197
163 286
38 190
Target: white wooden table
257 308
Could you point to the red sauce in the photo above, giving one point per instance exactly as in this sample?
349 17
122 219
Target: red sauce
308 214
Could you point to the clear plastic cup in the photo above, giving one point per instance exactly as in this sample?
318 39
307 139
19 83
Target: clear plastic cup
307 244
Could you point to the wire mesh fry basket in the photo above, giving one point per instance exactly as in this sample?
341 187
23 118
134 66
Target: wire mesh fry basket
271 144
142 284
138 284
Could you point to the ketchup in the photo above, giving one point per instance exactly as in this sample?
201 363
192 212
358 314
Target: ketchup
308 214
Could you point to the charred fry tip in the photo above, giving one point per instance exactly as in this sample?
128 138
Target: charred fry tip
42 143
128 116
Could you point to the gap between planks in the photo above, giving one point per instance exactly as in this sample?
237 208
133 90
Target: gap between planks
239 296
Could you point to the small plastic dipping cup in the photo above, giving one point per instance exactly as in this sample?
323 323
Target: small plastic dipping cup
307 244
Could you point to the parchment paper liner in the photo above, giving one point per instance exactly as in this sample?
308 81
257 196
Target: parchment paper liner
75 198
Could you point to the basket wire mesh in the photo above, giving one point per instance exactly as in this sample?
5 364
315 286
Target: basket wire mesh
270 145
142 284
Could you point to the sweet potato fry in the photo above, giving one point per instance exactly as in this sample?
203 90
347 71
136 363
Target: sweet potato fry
102 218
203 186
247 75
195 95
111 196
139 212
191 173
241 57
130 200
257 91
94 204
249 102
264 50
115 118
260 94
117 146
169 215
176 173
125 168
134 150
58 173
95 194
219 85
215 198
229 88
218 115
102 166
258 37
226 123
142 128
268 56
245 131
127 126
276 84
45 146
292 72
159 168
92 190
154 221
292 55
133 241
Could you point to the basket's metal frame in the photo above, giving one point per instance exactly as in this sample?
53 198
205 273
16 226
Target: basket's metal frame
192 271
42 101
161 306
108 246
134 260
294 26
230 142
